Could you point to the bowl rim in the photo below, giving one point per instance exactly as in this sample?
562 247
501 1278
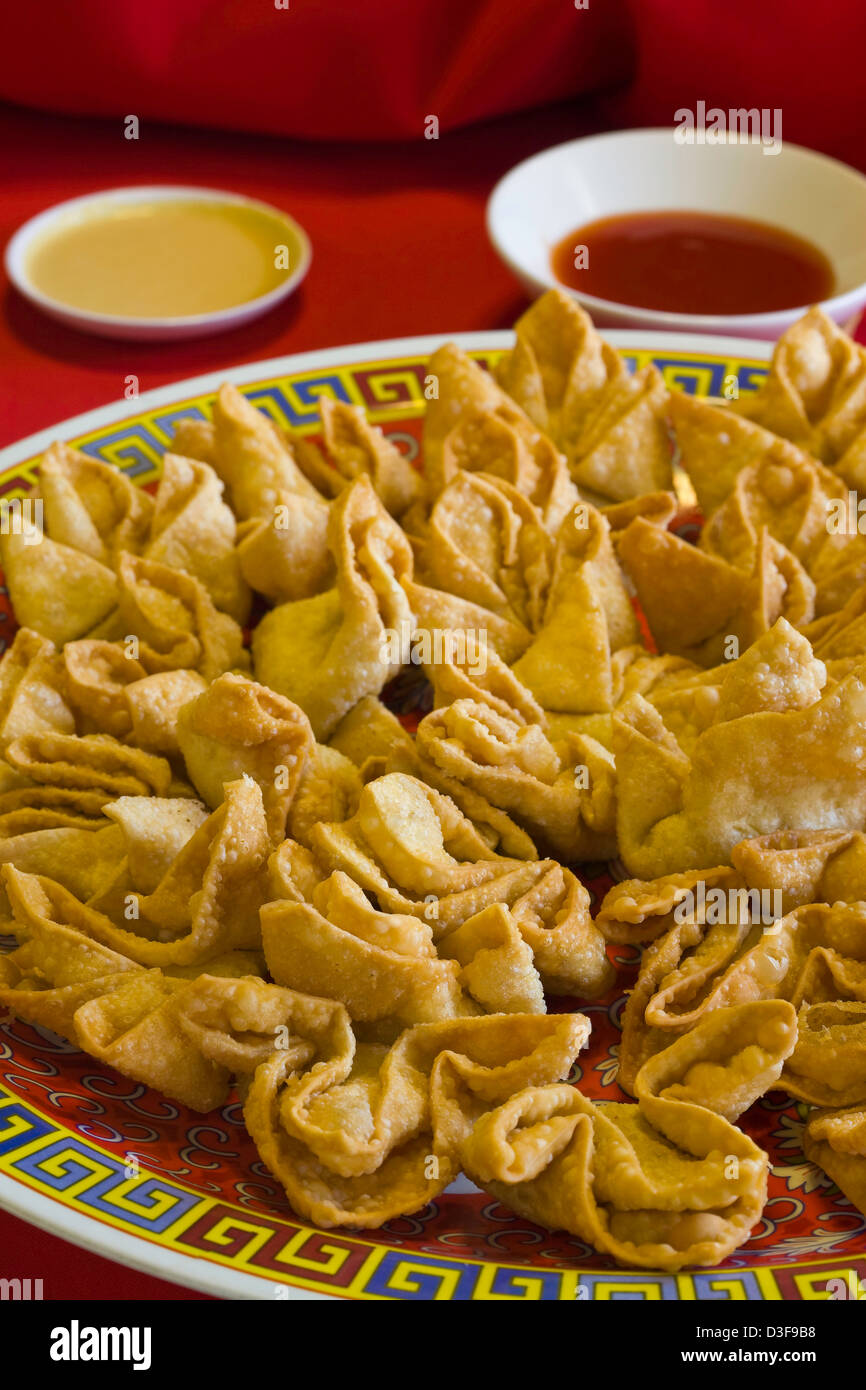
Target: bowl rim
23 239
840 304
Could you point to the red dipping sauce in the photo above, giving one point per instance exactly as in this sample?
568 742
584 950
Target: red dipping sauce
693 263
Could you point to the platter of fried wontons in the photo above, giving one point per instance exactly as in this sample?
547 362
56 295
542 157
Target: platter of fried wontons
433 820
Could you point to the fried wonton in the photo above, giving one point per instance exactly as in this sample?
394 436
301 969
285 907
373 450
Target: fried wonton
623 448
282 537
154 705
326 652
789 496
184 1036
502 443
155 830
635 911
237 726
92 506
564 796
59 592
206 903
194 438
382 966
193 529
55 969
60 570
748 774
487 544
663 1184
372 1132
96 677
815 392
828 1065
737 604
328 790
386 968
355 446
412 847
177 625
368 734
471 423
587 617
89 859
96 767
836 1141
32 690
803 506
805 866
489 682
813 956
188 1038
253 457
559 367
716 444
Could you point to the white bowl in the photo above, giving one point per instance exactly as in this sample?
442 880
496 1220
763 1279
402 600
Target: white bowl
541 200
150 329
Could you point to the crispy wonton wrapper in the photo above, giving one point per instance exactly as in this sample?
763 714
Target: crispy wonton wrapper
623 449
237 726
193 529
412 848
326 652
663 1184
92 506
368 734
736 604
32 690
563 796
355 446
60 574
813 956
178 626
206 903
587 616
59 592
371 1132
487 544
253 458
95 766
386 968
559 367
836 1141
805 866
793 765
828 1065
716 444
815 392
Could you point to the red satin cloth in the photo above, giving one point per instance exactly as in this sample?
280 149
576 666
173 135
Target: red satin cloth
340 69
324 69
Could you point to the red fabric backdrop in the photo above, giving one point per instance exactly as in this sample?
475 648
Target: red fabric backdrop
330 69
340 69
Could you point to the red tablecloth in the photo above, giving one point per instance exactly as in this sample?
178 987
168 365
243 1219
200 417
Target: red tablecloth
399 248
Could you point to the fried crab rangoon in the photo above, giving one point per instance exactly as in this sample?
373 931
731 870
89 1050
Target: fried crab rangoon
226 862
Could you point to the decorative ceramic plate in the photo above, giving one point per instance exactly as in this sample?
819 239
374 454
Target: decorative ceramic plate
117 1168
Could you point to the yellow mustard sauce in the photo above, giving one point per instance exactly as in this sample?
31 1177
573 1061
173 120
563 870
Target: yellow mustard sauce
162 259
